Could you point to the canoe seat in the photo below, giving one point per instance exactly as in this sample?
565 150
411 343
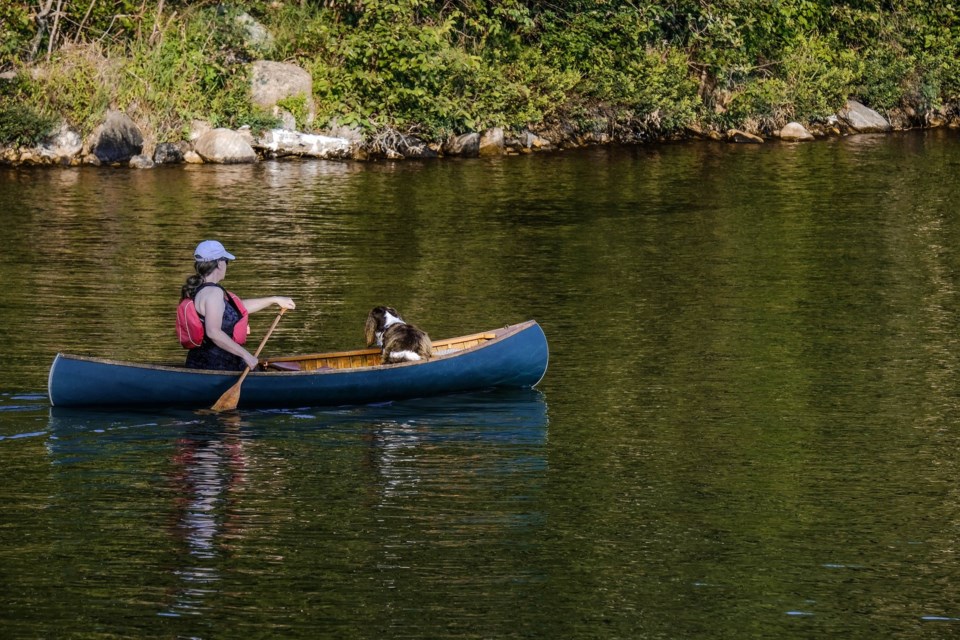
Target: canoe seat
284 366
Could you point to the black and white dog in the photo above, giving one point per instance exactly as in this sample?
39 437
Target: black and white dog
401 342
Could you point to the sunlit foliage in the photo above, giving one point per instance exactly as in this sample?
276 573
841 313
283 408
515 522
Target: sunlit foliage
436 68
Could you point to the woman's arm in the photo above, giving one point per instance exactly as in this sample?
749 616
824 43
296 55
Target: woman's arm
256 304
211 303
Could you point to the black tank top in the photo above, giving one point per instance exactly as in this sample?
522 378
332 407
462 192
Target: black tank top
208 355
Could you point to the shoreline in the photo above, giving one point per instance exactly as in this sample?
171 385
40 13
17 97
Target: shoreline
119 142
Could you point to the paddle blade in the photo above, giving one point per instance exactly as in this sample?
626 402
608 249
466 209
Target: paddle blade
228 401
231 397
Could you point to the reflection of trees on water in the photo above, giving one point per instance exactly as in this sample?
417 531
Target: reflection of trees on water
209 469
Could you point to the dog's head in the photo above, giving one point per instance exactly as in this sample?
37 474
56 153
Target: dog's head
378 320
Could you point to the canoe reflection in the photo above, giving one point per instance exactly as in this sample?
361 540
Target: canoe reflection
509 414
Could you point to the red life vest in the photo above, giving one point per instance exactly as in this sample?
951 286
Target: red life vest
190 329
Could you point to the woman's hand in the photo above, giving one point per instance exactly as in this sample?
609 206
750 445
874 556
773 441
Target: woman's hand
284 302
251 361
257 304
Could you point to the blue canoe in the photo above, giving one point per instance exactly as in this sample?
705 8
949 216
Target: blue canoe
512 357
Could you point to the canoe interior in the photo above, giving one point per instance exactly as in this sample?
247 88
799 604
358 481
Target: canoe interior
369 357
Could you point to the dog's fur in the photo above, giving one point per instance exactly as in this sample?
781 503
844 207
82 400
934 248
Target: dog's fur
400 341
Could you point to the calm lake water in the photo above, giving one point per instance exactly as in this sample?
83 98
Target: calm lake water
749 426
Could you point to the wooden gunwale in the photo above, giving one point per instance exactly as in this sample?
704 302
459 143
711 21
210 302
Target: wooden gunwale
442 348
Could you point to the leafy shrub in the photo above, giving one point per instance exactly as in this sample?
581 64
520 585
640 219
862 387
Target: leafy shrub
529 90
812 80
297 107
761 99
79 85
615 57
819 76
15 29
882 78
198 70
21 125
394 73
950 79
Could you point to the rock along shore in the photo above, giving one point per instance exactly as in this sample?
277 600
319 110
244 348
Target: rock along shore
118 141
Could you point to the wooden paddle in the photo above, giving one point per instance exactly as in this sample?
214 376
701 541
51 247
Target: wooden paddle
228 401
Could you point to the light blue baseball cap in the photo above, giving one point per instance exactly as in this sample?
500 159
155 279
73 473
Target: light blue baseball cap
210 250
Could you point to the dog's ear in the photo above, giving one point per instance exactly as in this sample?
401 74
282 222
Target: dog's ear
370 328
425 345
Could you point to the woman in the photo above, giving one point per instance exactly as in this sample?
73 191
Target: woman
220 312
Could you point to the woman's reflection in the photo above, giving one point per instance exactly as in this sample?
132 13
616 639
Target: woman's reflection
210 467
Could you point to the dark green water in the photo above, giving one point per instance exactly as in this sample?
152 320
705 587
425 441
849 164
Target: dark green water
748 427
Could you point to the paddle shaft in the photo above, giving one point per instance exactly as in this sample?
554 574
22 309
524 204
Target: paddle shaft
231 396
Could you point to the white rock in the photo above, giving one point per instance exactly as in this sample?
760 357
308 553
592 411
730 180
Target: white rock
491 142
224 146
863 119
795 132
281 142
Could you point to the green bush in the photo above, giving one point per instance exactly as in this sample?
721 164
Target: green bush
810 82
297 107
194 68
883 77
619 65
79 85
197 70
15 30
21 124
819 76
759 100
390 71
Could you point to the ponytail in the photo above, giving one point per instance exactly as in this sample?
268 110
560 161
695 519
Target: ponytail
203 269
